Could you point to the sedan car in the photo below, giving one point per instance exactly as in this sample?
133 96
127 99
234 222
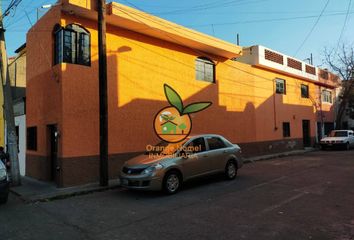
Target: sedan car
167 165
4 184
338 138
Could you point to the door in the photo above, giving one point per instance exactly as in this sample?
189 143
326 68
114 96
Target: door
218 152
319 132
306 133
196 161
53 153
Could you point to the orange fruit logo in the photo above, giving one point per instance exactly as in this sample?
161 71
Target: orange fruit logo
173 123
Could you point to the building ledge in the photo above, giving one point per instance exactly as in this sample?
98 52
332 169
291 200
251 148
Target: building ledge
129 18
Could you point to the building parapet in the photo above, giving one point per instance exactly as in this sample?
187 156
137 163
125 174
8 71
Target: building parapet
138 21
268 58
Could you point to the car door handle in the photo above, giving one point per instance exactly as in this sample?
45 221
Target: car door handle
205 156
225 151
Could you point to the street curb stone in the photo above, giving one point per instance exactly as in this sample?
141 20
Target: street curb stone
114 184
278 155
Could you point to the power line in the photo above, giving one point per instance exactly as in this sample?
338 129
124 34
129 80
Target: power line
26 12
344 24
313 28
12 6
209 6
269 20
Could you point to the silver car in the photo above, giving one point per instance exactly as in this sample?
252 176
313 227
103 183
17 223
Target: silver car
167 165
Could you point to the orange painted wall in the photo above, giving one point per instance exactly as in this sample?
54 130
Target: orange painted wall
43 92
138 66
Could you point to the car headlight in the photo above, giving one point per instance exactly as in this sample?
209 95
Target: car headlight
3 174
152 169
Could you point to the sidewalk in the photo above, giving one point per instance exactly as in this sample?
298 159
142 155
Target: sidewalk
33 190
277 155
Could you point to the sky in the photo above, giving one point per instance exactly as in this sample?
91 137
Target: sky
295 28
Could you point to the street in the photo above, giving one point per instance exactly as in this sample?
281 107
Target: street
307 196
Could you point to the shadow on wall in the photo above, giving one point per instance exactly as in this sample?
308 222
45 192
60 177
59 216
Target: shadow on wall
131 124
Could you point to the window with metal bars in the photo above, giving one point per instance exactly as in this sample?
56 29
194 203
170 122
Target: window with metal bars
326 96
205 69
280 86
72 45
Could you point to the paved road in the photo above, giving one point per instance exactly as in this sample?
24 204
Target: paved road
299 197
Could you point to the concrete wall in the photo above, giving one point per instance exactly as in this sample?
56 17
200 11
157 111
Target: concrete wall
245 108
20 121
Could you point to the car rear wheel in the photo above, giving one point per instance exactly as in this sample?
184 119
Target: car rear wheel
172 182
3 199
231 170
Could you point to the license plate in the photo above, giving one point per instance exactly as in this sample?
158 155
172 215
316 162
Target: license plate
125 181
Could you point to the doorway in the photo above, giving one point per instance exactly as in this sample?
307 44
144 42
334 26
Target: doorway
306 133
53 153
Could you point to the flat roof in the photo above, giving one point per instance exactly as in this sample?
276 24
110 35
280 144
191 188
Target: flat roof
138 21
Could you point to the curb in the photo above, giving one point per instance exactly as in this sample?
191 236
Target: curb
62 195
278 155
72 192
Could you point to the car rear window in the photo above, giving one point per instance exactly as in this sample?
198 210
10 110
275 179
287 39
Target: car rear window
339 134
215 143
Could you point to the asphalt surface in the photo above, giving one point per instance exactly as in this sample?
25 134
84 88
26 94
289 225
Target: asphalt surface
309 196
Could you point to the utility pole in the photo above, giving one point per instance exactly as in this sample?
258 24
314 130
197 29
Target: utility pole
102 59
12 147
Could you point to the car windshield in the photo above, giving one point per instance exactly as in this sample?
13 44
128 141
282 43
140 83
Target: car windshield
339 134
164 148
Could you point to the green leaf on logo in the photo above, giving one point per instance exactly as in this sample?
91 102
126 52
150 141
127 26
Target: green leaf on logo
173 98
196 107
165 117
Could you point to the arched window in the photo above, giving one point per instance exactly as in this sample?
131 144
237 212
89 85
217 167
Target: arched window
72 45
205 69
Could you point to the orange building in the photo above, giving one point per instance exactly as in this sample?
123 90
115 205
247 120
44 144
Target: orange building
258 102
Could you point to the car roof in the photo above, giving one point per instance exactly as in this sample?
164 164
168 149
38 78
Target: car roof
203 135
343 130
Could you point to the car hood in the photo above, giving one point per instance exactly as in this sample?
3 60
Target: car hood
334 139
146 160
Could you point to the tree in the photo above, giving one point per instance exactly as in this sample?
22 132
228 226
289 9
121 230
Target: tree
341 62
182 127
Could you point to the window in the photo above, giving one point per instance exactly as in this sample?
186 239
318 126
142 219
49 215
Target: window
286 129
72 45
198 145
304 91
280 86
205 69
32 138
215 143
327 96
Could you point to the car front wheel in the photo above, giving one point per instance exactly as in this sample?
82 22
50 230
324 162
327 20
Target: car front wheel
172 182
231 170
347 146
